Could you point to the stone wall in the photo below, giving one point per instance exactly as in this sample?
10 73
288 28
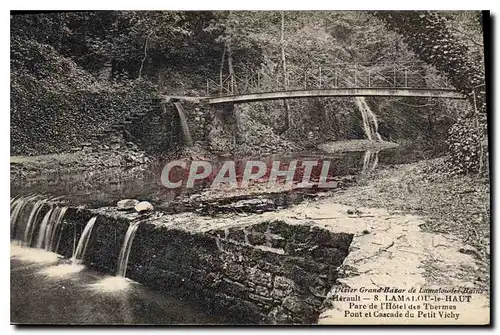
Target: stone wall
270 272
223 129
199 117
158 130
106 238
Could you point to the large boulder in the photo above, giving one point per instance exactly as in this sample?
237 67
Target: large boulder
126 204
143 206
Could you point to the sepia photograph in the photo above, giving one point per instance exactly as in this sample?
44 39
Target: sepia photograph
250 167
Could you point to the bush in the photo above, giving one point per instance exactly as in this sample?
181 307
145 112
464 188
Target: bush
464 146
55 105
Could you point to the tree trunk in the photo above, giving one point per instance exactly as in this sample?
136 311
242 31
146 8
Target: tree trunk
230 65
283 63
145 55
221 71
282 45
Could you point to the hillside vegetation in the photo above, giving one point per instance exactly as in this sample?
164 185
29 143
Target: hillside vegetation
73 74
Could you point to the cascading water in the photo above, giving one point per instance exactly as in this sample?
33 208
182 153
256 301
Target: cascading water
31 224
125 250
16 208
25 223
370 124
188 140
53 228
43 227
83 242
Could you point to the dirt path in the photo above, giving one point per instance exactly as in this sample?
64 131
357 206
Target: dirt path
410 232
389 249
400 249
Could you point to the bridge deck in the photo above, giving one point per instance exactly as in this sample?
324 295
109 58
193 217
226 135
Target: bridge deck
339 92
335 92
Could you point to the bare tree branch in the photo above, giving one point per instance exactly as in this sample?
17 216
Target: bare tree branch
470 38
145 55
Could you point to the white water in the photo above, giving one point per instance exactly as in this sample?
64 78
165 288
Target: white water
15 208
112 285
370 124
43 227
25 222
125 250
83 242
53 228
30 226
32 255
61 270
47 290
49 232
188 140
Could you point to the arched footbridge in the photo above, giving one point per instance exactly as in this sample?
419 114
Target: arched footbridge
338 80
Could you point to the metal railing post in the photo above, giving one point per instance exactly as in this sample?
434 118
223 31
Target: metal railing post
394 76
320 77
355 75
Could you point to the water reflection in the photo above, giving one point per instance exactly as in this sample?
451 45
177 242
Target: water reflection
370 160
106 187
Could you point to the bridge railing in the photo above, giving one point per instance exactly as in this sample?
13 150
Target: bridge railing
342 75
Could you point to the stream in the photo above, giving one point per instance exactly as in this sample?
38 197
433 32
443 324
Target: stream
50 290
47 290
98 188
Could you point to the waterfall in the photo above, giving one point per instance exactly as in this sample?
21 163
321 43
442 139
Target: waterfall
186 134
48 230
79 253
52 229
43 228
16 208
25 223
31 224
125 250
370 124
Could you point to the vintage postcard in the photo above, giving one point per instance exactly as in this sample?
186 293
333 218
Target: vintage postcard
250 167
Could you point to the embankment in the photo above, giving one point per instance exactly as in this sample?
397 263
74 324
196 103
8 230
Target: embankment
257 270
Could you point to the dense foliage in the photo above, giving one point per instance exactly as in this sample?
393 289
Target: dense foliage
433 37
74 73
56 105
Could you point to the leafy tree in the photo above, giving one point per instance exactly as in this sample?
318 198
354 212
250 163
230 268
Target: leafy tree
431 36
